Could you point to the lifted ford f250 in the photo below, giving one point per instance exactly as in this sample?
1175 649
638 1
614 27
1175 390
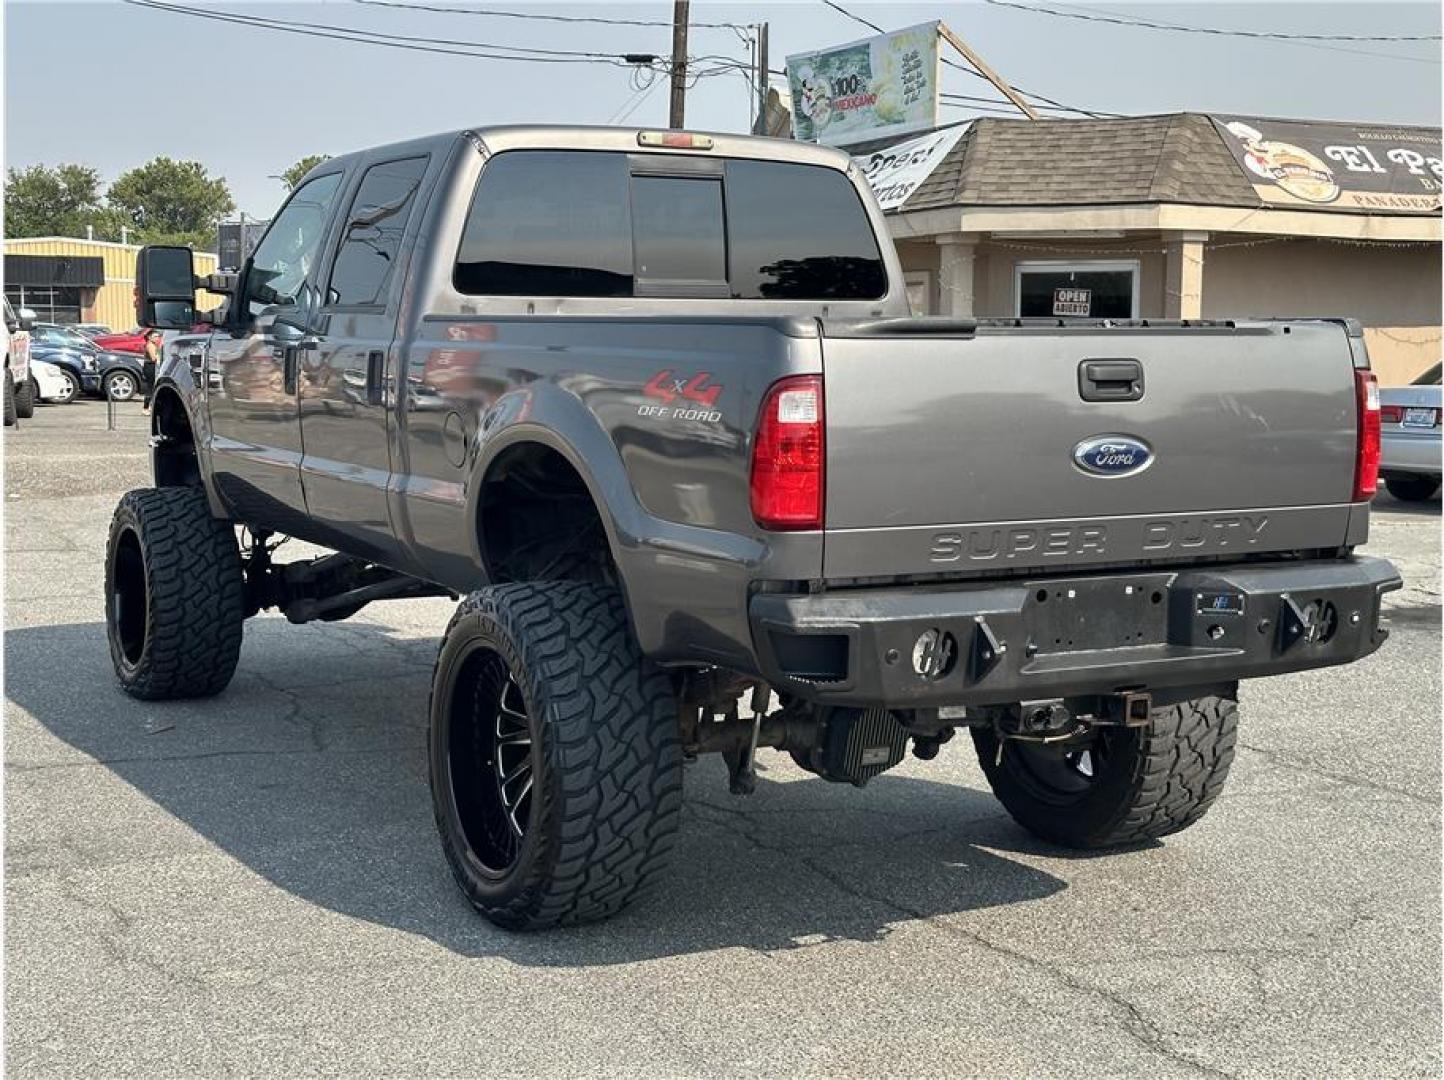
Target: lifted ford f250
653 402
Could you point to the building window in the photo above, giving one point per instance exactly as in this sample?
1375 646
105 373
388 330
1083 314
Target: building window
1093 290
51 303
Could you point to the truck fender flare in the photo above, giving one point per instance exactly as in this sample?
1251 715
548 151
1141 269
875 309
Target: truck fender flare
187 394
544 414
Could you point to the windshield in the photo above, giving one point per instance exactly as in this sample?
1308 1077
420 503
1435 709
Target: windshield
62 335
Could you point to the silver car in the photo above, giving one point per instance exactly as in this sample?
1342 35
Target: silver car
1409 422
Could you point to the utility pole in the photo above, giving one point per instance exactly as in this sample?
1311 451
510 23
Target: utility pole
678 115
760 128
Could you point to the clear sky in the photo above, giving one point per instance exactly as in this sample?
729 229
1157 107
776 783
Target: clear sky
112 85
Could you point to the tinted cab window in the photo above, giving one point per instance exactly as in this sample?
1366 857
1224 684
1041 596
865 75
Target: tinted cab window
375 225
576 223
550 224
799 232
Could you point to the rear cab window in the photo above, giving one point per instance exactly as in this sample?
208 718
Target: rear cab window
610 224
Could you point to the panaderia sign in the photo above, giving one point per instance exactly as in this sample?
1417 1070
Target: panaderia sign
1359 168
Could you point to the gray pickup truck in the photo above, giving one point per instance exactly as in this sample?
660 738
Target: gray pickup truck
654 404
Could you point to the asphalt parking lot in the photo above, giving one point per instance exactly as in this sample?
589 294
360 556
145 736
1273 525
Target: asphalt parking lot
252 885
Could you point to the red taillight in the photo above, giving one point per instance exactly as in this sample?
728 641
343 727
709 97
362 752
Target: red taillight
787 456
1391 414
1366 462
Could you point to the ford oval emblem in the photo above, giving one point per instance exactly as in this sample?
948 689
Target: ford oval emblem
1112 455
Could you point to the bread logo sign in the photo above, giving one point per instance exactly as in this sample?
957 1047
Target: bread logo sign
1292 168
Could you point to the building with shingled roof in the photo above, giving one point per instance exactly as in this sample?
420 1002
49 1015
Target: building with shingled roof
1186 216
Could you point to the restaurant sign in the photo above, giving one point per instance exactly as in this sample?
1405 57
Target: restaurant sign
896 171
869 89
1369 169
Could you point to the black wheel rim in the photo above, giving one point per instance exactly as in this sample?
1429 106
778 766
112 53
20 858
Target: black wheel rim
1063 773
491 761
129 600
513 757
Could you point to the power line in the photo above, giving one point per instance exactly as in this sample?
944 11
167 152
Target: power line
1123 20
855 18
541 17
483 50
719 64
1012 110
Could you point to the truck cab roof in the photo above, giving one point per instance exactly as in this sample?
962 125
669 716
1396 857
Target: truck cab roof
499 138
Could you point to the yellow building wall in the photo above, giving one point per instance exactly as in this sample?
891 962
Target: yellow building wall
115 300
1394 291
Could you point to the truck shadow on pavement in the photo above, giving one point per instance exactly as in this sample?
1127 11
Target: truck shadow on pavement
310 771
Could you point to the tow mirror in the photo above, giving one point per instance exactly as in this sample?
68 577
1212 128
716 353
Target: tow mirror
165 287
25 318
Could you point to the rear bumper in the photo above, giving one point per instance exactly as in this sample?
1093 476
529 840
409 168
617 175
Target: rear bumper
917 647
1411 452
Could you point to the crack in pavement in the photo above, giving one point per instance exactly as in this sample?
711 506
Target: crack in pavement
112 941
1143 1031
1281 760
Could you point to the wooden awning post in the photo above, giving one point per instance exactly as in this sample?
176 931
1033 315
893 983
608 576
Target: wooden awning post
967 53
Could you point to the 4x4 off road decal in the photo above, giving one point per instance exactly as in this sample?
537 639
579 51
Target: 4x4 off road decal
682 397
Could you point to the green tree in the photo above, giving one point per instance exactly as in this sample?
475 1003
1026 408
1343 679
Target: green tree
172 202
292 176
41 201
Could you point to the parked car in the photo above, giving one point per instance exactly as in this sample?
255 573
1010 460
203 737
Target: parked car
1409 418
121 377
75 355
51 384
128 341
94 371
689 447
92 330
19 386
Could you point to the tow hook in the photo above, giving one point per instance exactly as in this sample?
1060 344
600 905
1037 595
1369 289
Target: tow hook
1313 622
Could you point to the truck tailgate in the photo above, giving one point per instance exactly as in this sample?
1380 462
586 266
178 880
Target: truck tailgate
953 452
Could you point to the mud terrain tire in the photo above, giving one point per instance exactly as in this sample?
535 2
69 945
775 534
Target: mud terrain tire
175 600
1145 782
543 682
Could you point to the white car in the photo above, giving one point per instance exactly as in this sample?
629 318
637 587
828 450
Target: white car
51 383
1410 421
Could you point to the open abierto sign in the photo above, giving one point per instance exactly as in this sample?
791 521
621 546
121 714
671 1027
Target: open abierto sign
1072 301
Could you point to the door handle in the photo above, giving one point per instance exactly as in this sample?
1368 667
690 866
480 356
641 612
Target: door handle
290 369
1110 380
376 377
